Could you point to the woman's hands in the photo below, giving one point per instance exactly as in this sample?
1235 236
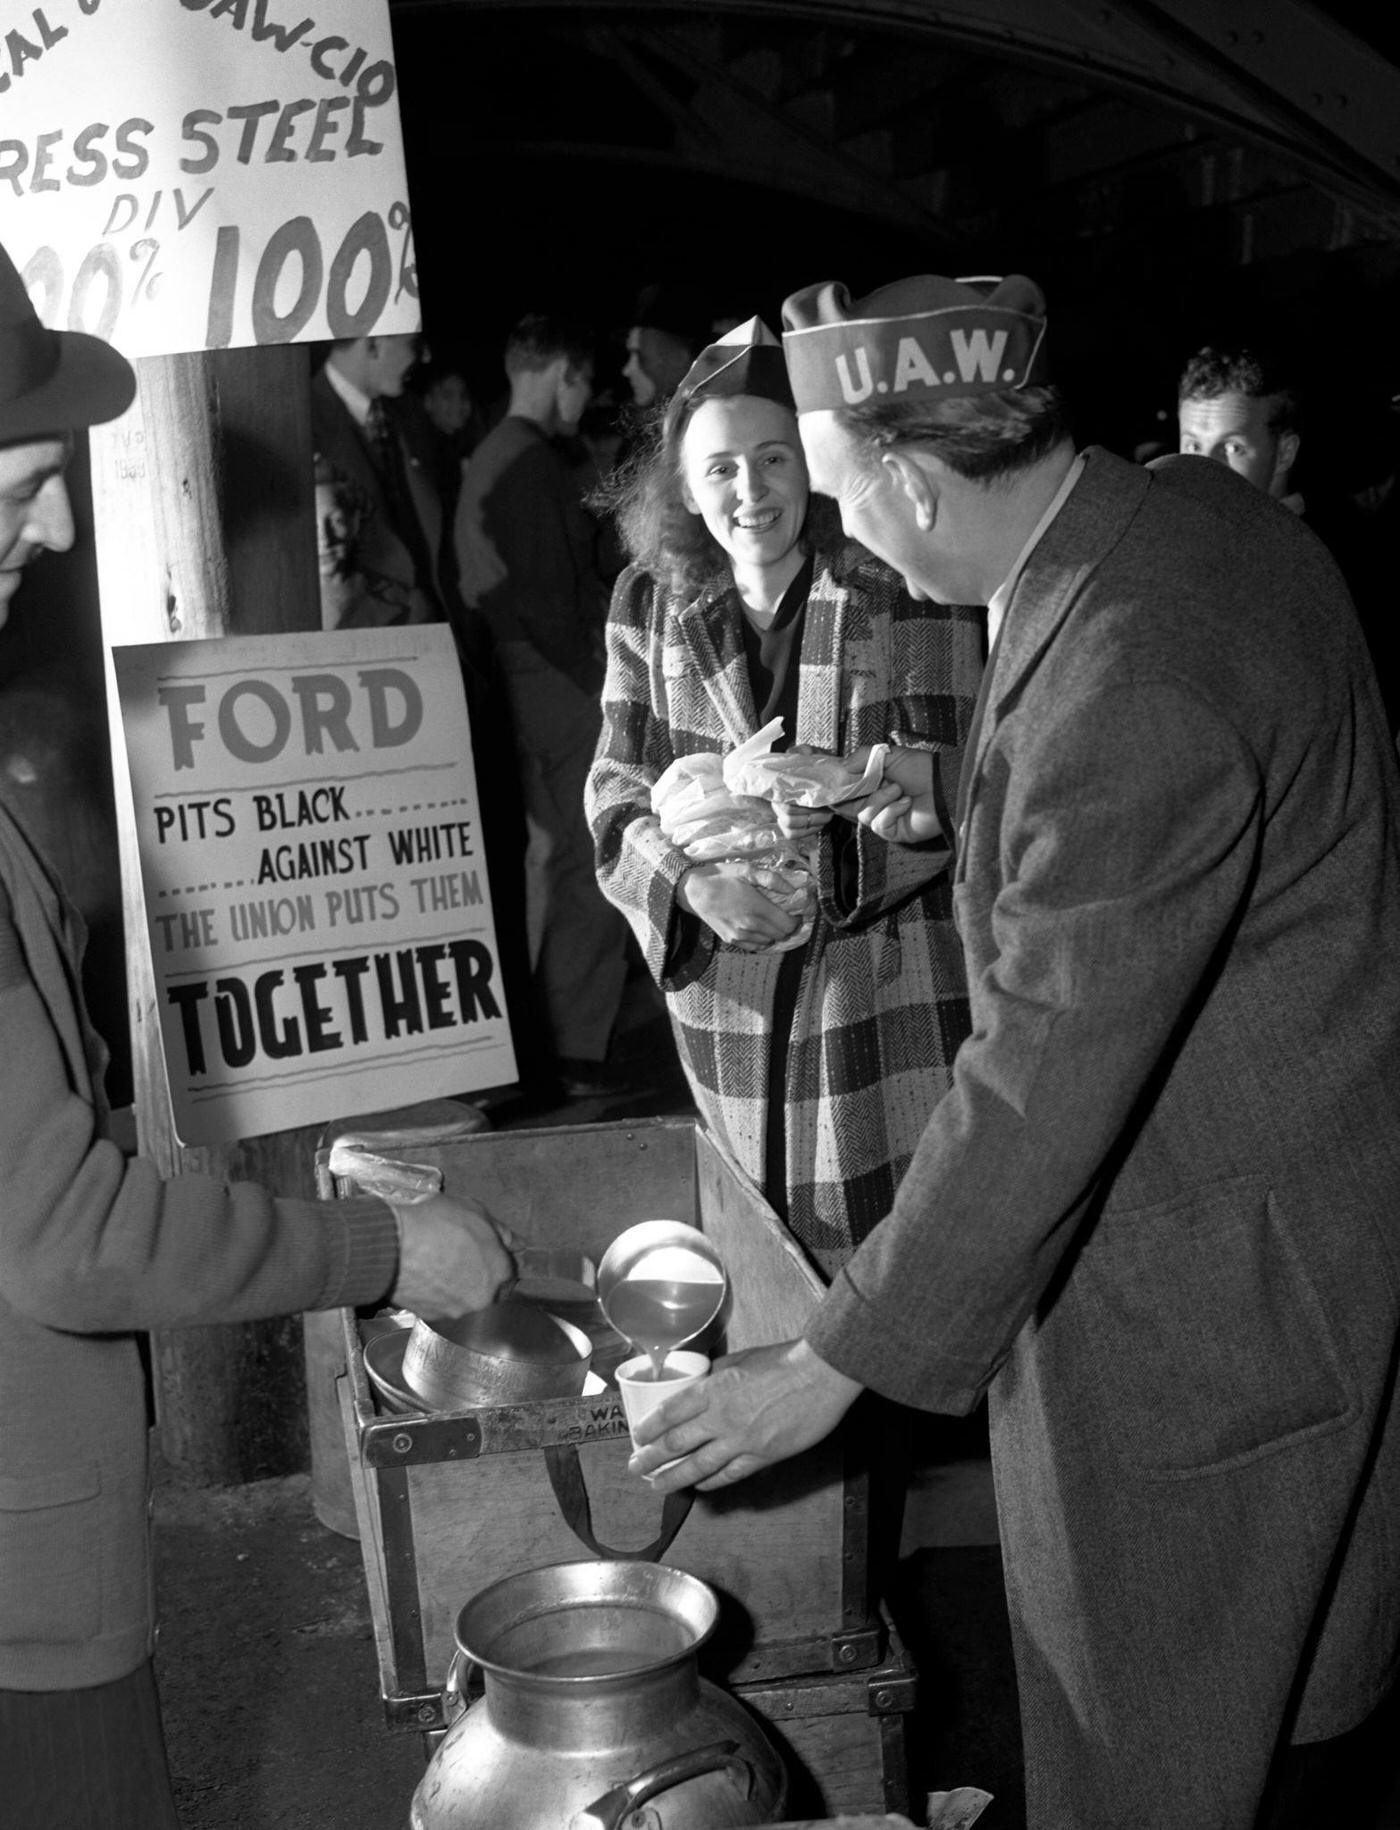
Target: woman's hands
800 822
733 906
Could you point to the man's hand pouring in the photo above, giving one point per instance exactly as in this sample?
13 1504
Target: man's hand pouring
755 1408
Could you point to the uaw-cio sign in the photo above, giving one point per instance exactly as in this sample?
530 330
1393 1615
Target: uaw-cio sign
193 174
316 898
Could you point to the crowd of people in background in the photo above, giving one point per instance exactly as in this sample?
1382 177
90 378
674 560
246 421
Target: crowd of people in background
436 505
473 491
1116 1149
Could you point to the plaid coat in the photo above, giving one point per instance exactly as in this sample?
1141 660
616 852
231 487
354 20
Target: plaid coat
882 1004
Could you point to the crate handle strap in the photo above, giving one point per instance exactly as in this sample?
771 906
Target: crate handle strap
566 1478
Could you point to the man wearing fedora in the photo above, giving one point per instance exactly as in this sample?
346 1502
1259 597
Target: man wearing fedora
1157 1217
94 1246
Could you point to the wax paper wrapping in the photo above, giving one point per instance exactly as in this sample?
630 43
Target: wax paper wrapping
386 1177
739 834
753 769
719 810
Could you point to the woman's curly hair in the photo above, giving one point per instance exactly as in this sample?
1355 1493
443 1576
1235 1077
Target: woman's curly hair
658 531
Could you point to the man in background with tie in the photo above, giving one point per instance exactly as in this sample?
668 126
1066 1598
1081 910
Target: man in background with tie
387 558
379 514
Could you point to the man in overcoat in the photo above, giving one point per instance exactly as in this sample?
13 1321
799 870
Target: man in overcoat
1157 1217
95 1246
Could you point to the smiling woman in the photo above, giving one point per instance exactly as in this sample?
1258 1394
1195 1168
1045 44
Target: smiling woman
815 1064
742 473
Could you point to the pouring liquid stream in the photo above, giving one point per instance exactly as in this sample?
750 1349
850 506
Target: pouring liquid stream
659 1313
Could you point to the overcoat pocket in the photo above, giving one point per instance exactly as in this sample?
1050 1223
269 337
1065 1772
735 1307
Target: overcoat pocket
51 1555
1202 1320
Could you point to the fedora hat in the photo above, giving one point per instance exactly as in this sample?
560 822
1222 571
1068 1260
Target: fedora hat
53 381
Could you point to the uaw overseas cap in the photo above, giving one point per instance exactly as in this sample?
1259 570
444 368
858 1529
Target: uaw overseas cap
53 381
745 360
927 336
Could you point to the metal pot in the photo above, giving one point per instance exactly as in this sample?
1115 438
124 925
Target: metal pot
662 1284
594 1714
507 1353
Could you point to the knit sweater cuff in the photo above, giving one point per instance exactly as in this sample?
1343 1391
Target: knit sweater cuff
362 1253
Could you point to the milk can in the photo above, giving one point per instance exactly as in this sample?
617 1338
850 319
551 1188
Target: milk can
594 1715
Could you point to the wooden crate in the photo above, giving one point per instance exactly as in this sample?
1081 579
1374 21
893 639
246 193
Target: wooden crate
842 1736
448 1503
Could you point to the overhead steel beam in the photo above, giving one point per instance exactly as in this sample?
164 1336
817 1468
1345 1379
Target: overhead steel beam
784 153
1278 73
1287 65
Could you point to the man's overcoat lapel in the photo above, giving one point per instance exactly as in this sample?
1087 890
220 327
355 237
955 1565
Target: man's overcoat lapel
1091 522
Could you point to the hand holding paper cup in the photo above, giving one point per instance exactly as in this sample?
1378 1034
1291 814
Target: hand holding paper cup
643 1387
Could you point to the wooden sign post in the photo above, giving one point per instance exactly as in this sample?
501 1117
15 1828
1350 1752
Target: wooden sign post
203 506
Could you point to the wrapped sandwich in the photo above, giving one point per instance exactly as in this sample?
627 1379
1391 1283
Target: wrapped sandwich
698 813
737 832
719 810
802 778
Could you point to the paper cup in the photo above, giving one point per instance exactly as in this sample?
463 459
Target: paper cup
641 1393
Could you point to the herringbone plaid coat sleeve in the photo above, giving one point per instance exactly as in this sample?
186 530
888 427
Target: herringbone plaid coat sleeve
638 868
